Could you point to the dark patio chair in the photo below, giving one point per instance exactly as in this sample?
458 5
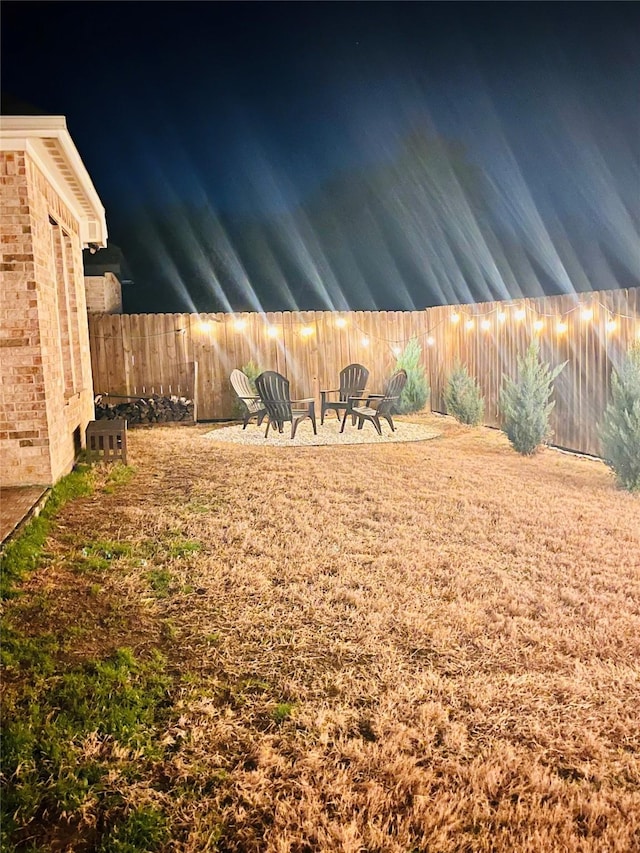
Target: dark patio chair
253 404
377 406
353 379
273 389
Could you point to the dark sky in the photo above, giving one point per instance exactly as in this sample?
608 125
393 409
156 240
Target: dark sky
249 111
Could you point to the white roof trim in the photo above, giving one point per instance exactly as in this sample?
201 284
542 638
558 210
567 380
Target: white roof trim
47 140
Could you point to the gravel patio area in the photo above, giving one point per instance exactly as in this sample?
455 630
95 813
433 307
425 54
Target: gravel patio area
328 434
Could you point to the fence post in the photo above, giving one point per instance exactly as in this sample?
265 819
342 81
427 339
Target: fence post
195 392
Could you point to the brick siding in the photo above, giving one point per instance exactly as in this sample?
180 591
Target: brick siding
46 393
104 294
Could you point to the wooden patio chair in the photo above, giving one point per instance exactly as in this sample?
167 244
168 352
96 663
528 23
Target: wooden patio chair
253 404
353 379
384 404
273 389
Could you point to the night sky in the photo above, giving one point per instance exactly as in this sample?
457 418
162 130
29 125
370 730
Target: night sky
273 156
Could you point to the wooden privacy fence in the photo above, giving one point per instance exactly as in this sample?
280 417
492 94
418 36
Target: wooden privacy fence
140 354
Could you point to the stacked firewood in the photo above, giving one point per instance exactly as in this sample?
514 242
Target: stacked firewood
153 409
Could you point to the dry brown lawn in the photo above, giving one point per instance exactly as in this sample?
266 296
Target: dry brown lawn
412 647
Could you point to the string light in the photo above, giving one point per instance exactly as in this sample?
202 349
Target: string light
587 313
470 319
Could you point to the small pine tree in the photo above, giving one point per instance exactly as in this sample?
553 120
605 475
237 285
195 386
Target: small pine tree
463 398
252 371
416 391
620 431
525 405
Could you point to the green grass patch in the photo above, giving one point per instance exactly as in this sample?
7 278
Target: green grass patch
282 712
139 830
119 475
23 554
169 546
183 547
46 721
160 582
19 652
108 550
89 563
97 556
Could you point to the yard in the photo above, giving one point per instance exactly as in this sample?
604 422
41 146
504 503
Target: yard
429 646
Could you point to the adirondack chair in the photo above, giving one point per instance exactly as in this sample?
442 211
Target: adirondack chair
253 404
273 389
353 379
384 404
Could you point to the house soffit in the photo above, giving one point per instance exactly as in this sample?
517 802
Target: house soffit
47 140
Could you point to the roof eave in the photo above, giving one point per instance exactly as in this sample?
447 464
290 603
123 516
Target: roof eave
23 133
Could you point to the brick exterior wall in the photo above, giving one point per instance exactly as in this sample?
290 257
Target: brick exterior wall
46 397
104 294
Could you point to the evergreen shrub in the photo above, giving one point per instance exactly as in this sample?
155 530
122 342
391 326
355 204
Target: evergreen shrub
463 398
620 431
415 394
525 404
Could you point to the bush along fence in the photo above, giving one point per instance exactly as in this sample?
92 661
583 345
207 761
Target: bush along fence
141 354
